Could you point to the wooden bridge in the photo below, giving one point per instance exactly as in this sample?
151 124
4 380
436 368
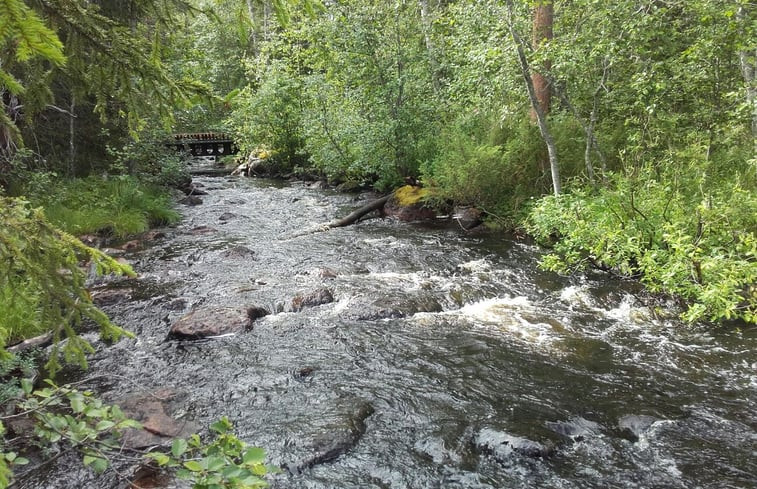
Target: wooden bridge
204 144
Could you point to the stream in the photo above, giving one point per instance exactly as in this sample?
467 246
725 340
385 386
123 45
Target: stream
445 360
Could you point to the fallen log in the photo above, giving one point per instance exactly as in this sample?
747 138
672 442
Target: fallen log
351 218
355 215
42 340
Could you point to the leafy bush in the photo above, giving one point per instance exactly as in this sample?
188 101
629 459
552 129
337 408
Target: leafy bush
682 234
81 422
270 117
498 167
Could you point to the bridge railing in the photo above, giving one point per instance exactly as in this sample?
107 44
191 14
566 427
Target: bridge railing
204 144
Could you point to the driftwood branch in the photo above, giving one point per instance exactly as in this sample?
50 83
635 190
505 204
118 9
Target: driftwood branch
358 213
351 218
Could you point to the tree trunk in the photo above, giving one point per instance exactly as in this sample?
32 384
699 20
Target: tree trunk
430 46
748 61
72 136
541 117
542 31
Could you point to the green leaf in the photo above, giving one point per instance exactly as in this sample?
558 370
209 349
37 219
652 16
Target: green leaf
253 455
104 425
194 466
21 461
27 385
221 426
215 463
178 447
160 458
99 465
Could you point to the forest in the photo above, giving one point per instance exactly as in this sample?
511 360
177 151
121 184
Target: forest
621 136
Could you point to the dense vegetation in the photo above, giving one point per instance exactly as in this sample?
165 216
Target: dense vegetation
622 134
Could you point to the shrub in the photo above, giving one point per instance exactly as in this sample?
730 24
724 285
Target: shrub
681 233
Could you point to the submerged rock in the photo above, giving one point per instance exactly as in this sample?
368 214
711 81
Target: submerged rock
106 296
238 252
633 426
392 308
503 446
576 428
191 200
226 216
210 322
315 298
202 230
158 428
336 439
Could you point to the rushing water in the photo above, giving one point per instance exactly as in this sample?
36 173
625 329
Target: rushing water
452 339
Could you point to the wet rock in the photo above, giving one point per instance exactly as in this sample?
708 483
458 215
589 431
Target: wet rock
315 298
191 200
633 426
238 252
468 217
504 447
408 204
349 186
153 235
435 450
134 244
202 230
91 240
576 429
336 439
106 296
327 273
304 373
393 308
256 312
19 426
195 190
210 322
158 428
319 185
226 216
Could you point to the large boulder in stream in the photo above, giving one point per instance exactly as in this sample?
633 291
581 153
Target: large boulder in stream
335 439
203 323
504 446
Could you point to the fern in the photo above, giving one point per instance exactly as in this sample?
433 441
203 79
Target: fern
37 257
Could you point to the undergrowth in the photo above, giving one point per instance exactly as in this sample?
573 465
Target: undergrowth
120 205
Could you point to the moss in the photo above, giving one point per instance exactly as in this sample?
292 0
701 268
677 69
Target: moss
411 195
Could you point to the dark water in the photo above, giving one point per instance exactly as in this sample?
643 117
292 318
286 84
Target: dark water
502 349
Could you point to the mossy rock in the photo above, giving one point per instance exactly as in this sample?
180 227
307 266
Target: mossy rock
409 203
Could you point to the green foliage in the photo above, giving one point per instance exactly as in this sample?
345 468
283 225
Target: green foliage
39 269
226 462
78 420
270 118
497 165
118 205
683 234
